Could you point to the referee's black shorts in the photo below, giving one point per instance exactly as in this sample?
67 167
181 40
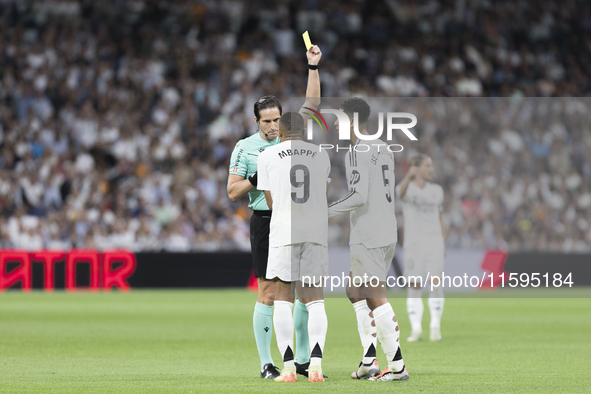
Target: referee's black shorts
259 241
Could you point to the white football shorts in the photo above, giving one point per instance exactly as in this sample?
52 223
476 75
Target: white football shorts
292 262
427 258
366 263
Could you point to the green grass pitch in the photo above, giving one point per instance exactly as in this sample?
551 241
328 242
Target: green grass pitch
201 341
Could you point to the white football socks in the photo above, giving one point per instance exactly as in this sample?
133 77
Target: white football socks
388 334
414 307
317 327
366 331
435 303
283 325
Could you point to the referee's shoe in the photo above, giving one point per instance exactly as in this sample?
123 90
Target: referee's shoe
270 371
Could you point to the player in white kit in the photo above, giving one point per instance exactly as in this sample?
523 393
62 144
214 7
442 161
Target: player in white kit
370 201
424 242
294 176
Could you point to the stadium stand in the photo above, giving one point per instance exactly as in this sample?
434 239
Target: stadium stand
117 119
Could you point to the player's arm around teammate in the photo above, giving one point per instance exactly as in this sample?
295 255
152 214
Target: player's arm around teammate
372 242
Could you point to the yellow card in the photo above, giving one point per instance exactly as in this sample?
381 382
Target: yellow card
307 40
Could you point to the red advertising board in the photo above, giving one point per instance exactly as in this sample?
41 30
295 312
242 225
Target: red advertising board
103 274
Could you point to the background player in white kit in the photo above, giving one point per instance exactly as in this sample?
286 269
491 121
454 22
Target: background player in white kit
370 176
294 176
424 242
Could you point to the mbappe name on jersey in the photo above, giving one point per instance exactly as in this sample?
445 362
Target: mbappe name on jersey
297 152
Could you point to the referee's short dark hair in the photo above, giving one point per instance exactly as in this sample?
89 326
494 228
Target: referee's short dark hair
292 123
266 102
359 105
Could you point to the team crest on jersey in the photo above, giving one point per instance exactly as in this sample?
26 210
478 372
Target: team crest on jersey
355 176
261 150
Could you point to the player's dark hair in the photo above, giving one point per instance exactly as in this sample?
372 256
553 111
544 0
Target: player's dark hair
359 105
266 102
417 159
292 123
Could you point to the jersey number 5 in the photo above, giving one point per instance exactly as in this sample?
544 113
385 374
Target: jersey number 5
298 184
386 182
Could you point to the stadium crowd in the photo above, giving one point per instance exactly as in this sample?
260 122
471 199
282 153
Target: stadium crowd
117 119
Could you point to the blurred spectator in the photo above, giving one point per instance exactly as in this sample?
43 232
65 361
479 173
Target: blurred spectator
117 119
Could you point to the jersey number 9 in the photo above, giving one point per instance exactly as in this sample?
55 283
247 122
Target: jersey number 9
298 184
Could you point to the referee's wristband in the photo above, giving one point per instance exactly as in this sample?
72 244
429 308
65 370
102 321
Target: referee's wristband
253 179
313 66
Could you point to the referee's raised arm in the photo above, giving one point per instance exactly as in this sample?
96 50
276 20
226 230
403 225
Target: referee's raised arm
313 89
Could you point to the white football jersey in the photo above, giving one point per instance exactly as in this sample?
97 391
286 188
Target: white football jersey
370 177
296 174
421 209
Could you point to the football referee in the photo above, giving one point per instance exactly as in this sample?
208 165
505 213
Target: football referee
243 180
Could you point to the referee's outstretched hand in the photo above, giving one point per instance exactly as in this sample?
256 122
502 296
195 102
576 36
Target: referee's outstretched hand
253 179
